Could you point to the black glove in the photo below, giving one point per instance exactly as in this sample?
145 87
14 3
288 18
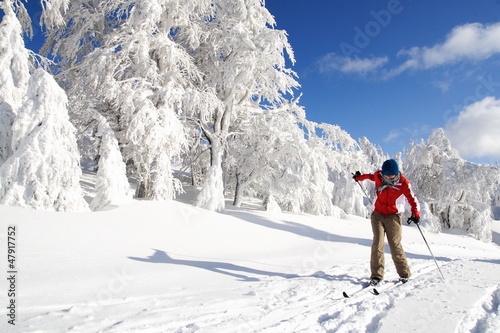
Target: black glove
354 175
413 219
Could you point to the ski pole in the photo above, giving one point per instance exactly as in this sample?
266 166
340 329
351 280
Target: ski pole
435 261
362 189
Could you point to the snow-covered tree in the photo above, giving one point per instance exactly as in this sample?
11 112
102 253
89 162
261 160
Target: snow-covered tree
53 12
288 179
374 154
459 193
121 59
248 155
112 185
44 170
37 141
271 159
14 72
344 158
242 58
321 190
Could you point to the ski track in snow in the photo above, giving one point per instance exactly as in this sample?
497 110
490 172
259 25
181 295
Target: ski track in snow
484 316
306 304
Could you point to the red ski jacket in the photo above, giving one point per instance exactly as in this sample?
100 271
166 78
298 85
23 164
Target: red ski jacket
392 199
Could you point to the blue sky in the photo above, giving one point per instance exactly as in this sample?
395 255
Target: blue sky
394 70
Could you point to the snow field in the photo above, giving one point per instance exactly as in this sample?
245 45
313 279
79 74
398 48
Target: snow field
169 267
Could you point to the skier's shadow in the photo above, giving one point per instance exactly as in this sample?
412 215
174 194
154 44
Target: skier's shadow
161 257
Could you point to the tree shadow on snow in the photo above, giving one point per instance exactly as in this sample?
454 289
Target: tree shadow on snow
320 235
301 229
411 255
495 238
242 273
490 261
308 231
161 257
316 234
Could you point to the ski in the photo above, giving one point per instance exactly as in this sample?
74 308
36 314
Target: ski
387 286
376 290
351 293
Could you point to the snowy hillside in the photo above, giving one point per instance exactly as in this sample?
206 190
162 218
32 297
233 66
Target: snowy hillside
193 92
170 267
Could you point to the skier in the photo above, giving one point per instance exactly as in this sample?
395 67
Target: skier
392 189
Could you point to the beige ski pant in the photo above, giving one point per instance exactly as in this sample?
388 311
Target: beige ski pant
392 226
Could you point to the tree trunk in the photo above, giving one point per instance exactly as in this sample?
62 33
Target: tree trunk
211 196
238 193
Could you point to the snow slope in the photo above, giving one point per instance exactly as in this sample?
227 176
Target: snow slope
170 267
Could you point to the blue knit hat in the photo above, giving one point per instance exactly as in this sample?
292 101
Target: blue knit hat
390 167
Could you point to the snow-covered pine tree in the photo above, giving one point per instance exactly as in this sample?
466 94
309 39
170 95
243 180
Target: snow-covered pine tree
459 193
111 185
14 73
41 169
242 57
44 170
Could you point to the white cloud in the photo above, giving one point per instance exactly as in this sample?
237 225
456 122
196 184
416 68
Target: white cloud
476 132
333 62
393 134
472 41
407 133
443 85
468 42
